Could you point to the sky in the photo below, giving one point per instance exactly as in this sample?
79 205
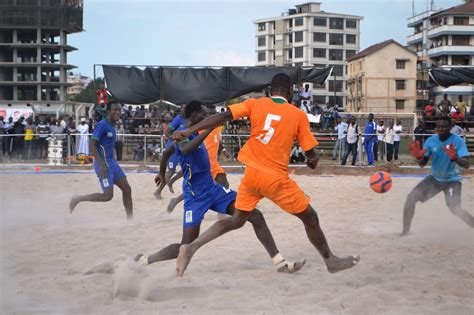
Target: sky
210 33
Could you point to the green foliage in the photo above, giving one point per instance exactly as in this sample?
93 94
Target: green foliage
88 94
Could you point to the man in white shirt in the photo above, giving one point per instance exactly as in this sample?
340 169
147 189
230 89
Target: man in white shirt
389 140
396 139
339 148
381 139
352 137
82 147
305 95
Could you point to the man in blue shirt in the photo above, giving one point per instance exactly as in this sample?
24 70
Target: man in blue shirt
449 154
370 138
201 193
175 124
108 171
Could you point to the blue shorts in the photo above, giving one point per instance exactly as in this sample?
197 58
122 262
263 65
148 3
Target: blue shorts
172 163
114 173
217 198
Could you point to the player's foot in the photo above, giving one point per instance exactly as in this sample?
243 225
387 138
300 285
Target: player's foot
140 258
170 187
292 267
404 233
157 194
184 258
336 264
172 205
73 203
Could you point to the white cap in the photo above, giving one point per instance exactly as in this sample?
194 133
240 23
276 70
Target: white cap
83 119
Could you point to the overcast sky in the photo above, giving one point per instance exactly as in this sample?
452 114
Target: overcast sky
210 33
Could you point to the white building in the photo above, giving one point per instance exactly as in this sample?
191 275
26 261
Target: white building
307 36
78 84
443 38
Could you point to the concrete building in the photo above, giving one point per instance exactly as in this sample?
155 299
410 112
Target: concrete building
443 38
307 36
78 84
382 79
34 50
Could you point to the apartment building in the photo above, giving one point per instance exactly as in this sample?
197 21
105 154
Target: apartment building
443 38
78 84
382 79
308 36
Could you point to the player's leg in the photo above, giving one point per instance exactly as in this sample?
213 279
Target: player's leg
168 175
354 152
123 184
173 179
426 189
172 250
174 202
107 195
452 195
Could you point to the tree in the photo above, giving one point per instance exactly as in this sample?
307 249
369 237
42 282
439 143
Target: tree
88 95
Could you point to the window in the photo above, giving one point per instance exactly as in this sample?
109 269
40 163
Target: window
351 24
319 65
319 53
299 21
335 86
290 38
319 21
400 84
298 37
336 39
459 40
350 53
400 104
350 39
299 52
261 41
319 37
319 99
261 26
337 100
261 56
460 60
336 23
290 23
335 54
401 64
458 20
337 70
290 53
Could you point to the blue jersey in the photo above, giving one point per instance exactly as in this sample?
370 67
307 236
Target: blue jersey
442 168
196 168
370 129
176 123
105 134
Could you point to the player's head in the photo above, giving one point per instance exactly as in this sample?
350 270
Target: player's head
194 112
114 109
282 86
371 117
443 126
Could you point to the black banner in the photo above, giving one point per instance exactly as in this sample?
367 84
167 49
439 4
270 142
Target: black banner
451 77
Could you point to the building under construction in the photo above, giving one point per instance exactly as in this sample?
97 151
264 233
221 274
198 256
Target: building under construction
34 51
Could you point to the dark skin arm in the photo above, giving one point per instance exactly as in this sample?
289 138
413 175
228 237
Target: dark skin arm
208 123
189 146
160 178
423 161
312 157
102 166
463 162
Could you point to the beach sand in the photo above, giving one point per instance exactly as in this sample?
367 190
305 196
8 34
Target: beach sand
56 263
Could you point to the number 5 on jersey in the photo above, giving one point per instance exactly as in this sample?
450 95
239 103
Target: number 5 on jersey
269 130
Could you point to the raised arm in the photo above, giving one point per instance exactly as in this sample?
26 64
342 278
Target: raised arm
187 147
208 123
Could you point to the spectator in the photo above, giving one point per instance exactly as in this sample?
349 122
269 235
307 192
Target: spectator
457 130
119 141
352 137
380 141
420 132
102 95
18 141
297 155
370 138
460 104
339 148
429 110
57 130
153 150
396 139
445 106
2 137
306 107
28 140
43 130
389 141
82 145
458 116
470 115
305 95
139 152
9 140
100 112
327 116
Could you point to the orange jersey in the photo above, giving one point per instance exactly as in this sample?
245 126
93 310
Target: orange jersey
212 142
275 124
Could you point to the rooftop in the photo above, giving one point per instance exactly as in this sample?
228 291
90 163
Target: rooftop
465 8
371 49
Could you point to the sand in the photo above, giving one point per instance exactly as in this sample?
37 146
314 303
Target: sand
56 263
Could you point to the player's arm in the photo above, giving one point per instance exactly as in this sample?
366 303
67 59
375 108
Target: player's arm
419 154
312 157
93 149
209 123
453 155
187 147
160 177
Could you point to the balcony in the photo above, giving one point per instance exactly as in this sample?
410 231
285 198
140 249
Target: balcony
450 50
451 30
418 19
415 38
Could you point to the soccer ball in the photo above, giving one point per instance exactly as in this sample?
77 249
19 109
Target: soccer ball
381 182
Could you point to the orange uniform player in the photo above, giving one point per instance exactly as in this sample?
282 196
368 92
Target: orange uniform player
212 142
275 124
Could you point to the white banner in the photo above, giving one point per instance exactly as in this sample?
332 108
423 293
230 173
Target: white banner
15 112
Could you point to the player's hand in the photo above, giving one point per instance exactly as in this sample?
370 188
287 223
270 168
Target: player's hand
451 152
180 135
160 180
102 170
313 163
416 151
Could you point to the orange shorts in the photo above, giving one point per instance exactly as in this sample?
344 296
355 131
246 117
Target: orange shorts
283 191
216 168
